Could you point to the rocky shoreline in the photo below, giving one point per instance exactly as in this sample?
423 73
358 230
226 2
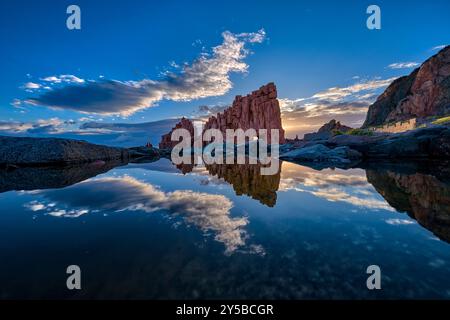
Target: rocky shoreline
34 152
423 143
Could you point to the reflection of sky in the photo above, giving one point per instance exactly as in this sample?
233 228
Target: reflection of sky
208 212
163 223
131 189
349 186
205 201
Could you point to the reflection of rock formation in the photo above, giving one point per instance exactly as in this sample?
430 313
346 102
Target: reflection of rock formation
425 197
185 168
32 178
247 179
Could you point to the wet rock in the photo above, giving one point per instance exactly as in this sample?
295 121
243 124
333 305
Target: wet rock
321 153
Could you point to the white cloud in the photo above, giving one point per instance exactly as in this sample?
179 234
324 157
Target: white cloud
440 47
346 104
31 86
403 65
337 94
396 222
211 213
207 76
66 78
46 126
336 185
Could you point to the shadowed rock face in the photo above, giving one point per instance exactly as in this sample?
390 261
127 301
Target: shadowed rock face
48 151
424 196
246 179
258 110
426 143
425 92
37 178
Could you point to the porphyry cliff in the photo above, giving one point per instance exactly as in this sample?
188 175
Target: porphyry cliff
425 92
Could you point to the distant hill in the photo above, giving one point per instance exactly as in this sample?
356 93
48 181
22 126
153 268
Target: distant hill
129 134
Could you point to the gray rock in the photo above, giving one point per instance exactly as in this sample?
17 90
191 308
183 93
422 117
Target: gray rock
43 151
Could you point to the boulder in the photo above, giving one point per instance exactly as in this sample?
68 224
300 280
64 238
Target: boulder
321 153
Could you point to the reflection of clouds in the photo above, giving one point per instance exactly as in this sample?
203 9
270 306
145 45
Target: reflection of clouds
208 212
337 185
397 222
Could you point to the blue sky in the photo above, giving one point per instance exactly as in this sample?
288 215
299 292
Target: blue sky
155 59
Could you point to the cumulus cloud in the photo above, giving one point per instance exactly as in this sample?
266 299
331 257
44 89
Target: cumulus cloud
204 112
67 78
208 212
208 75
31 86
347 104
51 126
337 94
114 134
403 65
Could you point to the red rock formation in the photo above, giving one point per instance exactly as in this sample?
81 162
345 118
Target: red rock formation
425 92
258 110
166 140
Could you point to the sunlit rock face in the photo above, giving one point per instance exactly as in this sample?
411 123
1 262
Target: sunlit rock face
166 140
425 92
246 179
258 110
424 196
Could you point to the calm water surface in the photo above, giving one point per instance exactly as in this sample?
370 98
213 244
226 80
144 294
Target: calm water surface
155 231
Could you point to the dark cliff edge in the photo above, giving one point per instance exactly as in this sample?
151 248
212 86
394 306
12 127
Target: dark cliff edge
22 151
423 93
